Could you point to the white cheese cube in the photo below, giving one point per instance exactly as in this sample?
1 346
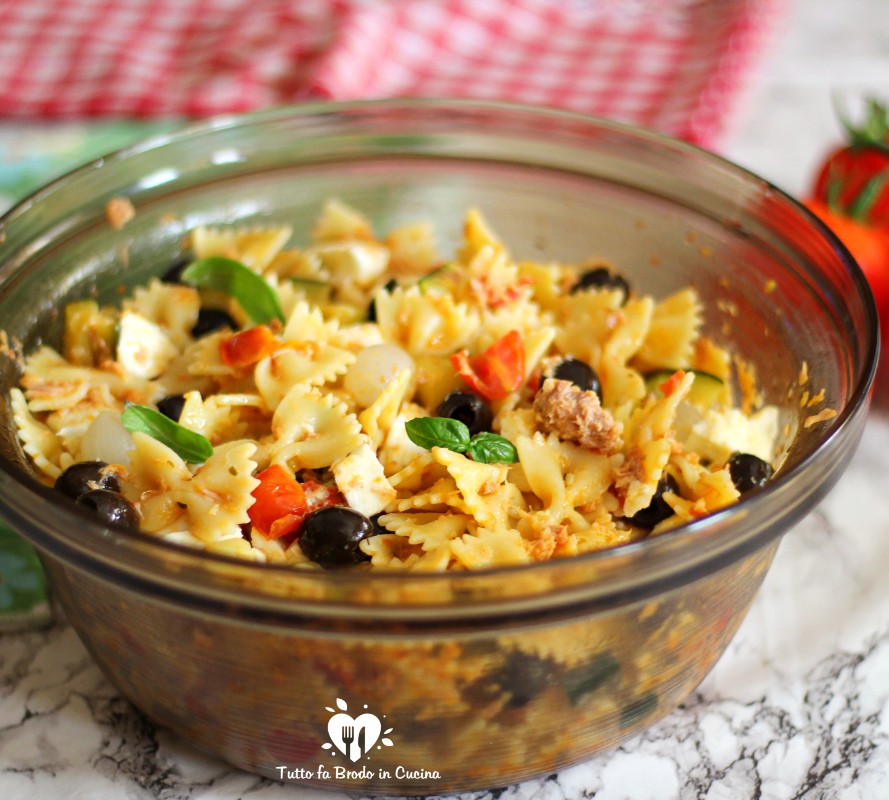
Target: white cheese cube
143 348
398 450
361 479
717 433
358 263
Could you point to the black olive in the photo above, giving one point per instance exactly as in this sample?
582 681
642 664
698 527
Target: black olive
523 677
171 406
469 409
210 320
83 476
174 272
601 278
378 529
657 510
111 507
579 373
330 536
749 471
372 308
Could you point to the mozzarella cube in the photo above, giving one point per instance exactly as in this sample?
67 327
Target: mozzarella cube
360 477
717 433
398 450
143 348
359 263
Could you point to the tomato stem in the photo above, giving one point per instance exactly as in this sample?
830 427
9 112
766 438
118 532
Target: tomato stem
874 132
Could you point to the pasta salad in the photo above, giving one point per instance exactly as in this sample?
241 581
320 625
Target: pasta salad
359 400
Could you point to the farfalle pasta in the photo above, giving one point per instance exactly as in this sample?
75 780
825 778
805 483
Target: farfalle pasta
412 411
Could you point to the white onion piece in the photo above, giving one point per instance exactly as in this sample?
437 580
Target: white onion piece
374 368
106 440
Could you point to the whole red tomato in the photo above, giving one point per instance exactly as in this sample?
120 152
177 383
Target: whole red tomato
854 179
869 246
851 196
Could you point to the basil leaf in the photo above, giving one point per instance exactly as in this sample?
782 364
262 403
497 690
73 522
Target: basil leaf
491 448
485 447
188 445
252 291
581 680
432 432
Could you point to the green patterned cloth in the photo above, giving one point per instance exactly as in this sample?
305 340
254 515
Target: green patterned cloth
24 600
33 153
30 155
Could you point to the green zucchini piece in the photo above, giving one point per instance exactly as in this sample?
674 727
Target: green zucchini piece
705 390
638 709
317 292
434 281
586 678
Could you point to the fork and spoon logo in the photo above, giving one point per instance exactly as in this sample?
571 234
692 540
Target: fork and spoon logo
354 737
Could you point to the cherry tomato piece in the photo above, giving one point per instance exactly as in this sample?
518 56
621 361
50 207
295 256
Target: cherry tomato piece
247 347
497 371
280 503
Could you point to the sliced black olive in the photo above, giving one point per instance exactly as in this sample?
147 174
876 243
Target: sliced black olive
84 476
657 510
749 471
330 536
372 308
171 406
111 507
579 373
469 409
174 272
523 677
210 320
601 278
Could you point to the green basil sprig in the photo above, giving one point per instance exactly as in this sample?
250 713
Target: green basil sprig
188 445
485 447
258 299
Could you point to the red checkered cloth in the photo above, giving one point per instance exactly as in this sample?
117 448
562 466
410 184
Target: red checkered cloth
673 65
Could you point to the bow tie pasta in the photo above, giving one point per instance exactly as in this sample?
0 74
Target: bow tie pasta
365 401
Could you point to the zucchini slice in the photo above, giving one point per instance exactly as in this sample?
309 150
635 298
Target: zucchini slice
436 282
706 389
316 292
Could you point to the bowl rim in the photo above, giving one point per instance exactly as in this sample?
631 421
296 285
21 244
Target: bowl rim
700 537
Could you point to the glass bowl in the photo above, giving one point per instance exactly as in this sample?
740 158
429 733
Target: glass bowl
457 681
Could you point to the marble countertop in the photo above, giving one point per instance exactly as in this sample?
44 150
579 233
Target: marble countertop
798 707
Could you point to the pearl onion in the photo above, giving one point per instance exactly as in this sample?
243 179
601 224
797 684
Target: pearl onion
106 440
374 368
